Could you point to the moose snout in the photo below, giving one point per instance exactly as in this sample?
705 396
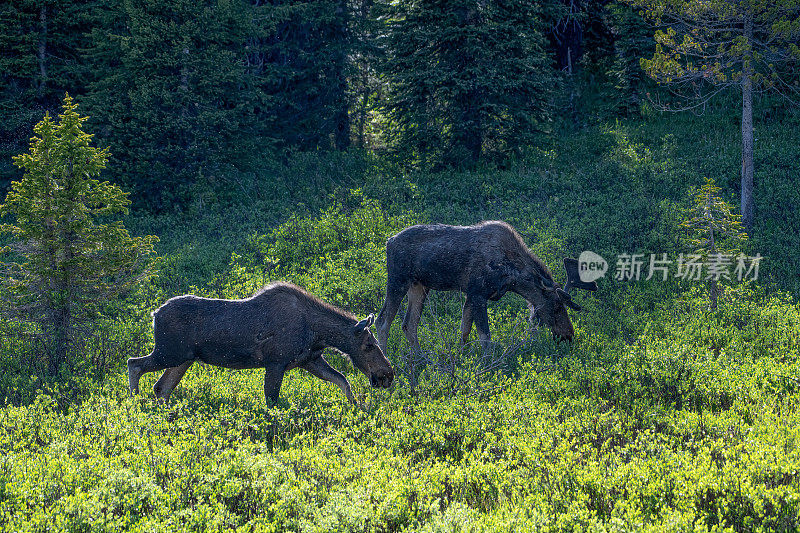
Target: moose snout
382 379
558 338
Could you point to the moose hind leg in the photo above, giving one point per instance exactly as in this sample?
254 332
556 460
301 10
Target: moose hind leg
170 379
273 377
394 296
416 299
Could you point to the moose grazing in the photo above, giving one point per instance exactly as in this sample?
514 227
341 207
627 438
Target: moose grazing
483 261
279 328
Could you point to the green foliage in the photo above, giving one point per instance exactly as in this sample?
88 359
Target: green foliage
40 41
701 43
63 263
186 94
663 415
712 224
166 98
703 48
714 230
299 57
691 427
339 255
633 40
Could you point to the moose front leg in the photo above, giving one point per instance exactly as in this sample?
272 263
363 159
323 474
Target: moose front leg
324 371
481 318
141 365
466 322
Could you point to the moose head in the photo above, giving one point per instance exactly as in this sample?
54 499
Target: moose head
548 304
368 357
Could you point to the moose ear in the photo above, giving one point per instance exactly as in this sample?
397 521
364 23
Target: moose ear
359 328
566 299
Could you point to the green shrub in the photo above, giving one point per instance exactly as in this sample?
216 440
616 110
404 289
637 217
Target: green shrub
338 255
66 256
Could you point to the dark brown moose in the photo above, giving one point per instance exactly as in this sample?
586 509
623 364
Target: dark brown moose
280 328
483 261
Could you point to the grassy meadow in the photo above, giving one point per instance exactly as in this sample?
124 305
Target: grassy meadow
663 415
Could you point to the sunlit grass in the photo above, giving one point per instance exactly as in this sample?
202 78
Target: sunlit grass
662 415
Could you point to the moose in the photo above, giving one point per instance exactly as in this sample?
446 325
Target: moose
483 261
279 328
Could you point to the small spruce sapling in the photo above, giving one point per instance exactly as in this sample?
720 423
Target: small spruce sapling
65 255
714 230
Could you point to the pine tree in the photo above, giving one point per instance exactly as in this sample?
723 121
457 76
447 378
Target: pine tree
704 47
40 43
66 254
466 78
364 84
298 63
713 229
632 39
171 94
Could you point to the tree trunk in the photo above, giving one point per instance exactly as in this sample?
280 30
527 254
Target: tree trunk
362 111
747 127
41 54
469 140
567 37
341 133
60 337
713 291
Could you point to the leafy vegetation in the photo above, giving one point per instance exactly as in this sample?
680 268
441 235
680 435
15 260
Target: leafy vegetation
194 95
232 123
444 113
716 231
693 426
665 413
707 47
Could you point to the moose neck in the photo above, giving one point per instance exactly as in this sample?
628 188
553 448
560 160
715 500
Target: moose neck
334 329
533 295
